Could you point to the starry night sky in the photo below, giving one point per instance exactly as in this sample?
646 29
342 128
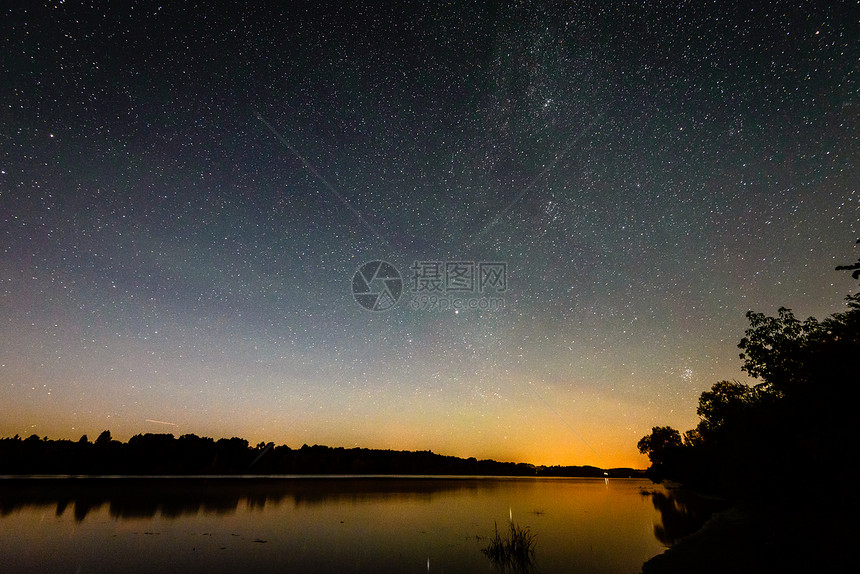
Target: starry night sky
187 192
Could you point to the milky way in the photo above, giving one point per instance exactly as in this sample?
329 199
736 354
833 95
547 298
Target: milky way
187 195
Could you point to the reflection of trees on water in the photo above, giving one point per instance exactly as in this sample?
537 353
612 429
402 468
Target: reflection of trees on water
681 513
128 498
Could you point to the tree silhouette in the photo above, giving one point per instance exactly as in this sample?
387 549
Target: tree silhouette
724 403
798 417
104 438
663 447
852 267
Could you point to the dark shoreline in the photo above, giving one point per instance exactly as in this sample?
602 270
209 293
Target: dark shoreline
191 455
780 535
279 478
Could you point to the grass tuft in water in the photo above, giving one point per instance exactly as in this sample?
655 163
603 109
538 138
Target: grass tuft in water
512 551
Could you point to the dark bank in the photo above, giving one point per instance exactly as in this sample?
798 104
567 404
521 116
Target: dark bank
781 453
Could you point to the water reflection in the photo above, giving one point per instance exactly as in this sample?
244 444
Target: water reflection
130 498
318 524
681 513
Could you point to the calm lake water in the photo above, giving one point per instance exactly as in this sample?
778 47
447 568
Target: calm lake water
326 524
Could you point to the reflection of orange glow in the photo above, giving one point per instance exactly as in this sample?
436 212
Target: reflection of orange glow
314 525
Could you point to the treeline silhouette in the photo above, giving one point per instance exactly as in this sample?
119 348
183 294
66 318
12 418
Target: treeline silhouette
782 452
799 422
189 454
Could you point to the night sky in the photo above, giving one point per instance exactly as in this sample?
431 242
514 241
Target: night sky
187 193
